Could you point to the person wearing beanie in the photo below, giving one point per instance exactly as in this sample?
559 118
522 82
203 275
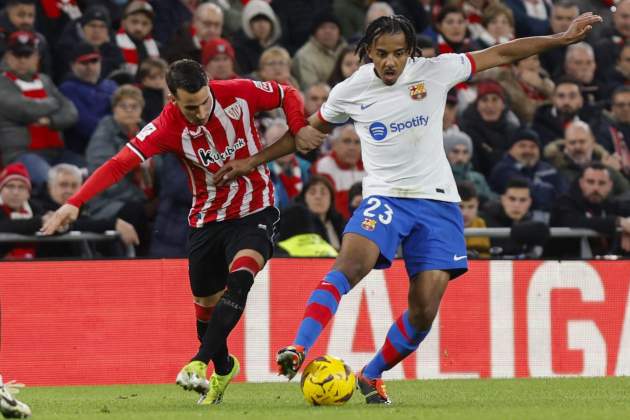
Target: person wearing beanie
459 151
16 214
315 61
523 160
218 59
134 37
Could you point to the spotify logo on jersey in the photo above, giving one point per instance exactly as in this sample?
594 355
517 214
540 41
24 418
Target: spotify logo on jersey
378 130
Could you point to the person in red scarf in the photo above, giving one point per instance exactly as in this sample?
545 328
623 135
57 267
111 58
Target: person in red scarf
34 112
134 36
16 214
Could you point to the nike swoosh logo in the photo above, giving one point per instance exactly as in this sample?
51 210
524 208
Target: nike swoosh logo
11 402
363 106
459 257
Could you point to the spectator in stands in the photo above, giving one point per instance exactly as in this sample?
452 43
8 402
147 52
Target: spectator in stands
232 15
488 121
128 197
90 94
497 26
578 148
562 14
19 15
342 165
355 196
152 78
523 161
134 36
451 111
218 59
531 17
190 38
477 246
620 74
527 85
275 64
614 132
351 15
567 104
347 63
579 65
588 204
56 16
513 211
170 232
379 9
289 173
94 28
260 30
417 12
314 98
452 33
312 219
297 18
63 181
459 150
16 213
608 46
32 111
315 61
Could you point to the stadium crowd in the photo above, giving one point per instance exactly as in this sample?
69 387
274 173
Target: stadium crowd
543 142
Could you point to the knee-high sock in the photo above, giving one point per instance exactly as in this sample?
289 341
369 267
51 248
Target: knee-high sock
221 359
402 340
228 311
321 307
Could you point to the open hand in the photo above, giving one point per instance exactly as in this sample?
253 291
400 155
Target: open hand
60 220
580 27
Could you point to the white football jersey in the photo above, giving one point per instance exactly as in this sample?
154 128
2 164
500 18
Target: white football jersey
400 126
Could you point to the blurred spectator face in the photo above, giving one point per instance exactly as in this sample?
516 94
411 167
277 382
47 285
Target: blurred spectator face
525 152
567 99
328 35
453 27
458 155
272 135
376 10
347 146
595 185
318 199
138 26
579 143
275 68
87 70
450 115
22 64
490 107
623 62
208 21
561 18
220 67
15 194
315 97
500 26
128 112
22 16
621 107
580 65
469 210
529 64
155 79
63 187
516 202
349 64
262 28
621 18
96 33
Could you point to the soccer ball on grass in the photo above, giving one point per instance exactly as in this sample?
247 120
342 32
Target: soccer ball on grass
327 380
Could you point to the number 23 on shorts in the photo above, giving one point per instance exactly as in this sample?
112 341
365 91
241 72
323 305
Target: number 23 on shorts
375 205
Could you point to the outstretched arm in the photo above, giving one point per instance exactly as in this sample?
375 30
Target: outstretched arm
524 47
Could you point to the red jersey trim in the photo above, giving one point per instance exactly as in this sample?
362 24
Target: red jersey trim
473 65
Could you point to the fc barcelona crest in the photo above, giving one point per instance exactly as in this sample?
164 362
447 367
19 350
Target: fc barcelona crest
368 224
418 91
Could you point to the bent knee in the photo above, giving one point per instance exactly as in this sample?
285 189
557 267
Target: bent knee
208 301
422 317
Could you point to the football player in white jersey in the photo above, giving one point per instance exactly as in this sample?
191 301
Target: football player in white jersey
396 103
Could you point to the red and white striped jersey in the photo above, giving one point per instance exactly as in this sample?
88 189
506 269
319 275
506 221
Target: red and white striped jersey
229 134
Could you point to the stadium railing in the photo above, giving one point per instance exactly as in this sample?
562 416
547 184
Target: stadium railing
73 236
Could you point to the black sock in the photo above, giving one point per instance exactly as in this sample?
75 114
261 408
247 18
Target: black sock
226 314
202 326
222 361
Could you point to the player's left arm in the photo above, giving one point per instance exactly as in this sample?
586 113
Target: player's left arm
524 47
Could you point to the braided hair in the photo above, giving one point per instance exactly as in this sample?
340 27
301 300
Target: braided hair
388 25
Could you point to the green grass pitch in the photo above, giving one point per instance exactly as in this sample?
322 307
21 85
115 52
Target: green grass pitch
562 399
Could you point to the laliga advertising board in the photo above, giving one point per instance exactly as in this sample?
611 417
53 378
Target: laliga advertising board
502 319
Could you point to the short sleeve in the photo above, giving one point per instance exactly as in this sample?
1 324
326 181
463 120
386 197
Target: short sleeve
453 68
334 109
151 140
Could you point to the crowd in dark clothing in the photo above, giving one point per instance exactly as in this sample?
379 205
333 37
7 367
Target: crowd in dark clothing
79 78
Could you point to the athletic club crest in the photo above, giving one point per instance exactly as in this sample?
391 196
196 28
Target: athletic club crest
234 111
418 91
368 224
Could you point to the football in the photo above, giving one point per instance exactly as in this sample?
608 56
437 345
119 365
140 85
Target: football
327 380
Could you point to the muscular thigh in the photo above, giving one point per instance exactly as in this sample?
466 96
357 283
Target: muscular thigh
207 266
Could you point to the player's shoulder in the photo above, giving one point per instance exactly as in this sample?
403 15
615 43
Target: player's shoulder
170 120
235 86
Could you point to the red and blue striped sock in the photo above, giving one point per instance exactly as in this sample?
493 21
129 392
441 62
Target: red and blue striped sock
321 307
402 340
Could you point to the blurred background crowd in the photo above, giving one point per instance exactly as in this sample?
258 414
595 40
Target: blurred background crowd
543 142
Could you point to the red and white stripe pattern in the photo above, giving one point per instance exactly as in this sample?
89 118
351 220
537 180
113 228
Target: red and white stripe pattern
130 52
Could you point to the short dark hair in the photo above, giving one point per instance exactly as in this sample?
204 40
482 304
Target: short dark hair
187 75
149 64
389 25
566 80
596 166
518 183
447 10
467 190
619 90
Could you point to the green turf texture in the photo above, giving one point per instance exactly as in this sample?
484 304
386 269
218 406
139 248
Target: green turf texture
562 399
